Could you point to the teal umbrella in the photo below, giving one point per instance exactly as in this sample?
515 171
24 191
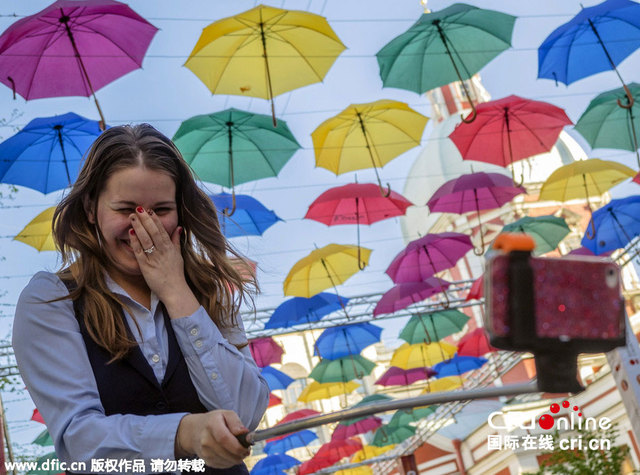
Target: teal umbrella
363 402
44 439
233 147
41 460
388 434
342 370
403 417
547 231
450 45
431 327
606 125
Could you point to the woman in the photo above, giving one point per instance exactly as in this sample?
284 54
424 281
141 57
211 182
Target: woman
126 348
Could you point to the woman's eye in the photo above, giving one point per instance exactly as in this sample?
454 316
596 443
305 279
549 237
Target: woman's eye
125 210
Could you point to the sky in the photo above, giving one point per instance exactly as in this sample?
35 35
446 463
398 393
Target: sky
164 93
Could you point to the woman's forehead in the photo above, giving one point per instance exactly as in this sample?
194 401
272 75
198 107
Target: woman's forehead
137 183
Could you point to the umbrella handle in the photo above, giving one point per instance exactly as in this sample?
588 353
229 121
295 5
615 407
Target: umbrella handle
630 99
591 230
474 113
226 211
385 193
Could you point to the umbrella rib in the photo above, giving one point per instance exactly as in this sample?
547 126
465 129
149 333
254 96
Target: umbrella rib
96 32
529 129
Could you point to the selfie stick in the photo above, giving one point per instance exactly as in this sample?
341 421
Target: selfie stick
383 406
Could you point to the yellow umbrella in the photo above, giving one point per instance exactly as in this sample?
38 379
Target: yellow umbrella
370 451
443 384
264 52
323 268
38 232
316 391
583 179
364 470
367 135
420 355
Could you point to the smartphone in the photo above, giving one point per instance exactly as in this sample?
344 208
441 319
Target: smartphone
542 303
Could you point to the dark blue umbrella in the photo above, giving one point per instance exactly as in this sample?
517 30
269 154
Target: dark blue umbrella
615 224
596 39
300 310
251 218
275 379
458 365
274 464
46 154
346 340
288 442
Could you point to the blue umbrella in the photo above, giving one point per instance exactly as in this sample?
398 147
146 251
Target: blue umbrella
299 310
458 365
596 39
346 340
275 379
46 154
288 442
250 218
274 464
615 224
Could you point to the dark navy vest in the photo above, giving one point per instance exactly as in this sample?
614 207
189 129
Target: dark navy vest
129 385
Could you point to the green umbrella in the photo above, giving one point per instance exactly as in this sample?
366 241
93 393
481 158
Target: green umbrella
43 439
431 327
388 434
607 125
403 417
40 461
342 369
233 147
445 46
363 402
546 231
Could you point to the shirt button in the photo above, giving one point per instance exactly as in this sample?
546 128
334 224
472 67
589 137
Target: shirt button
198 343
155 358
194 331
214 376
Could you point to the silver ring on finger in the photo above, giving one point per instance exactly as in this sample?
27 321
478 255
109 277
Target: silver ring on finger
150 250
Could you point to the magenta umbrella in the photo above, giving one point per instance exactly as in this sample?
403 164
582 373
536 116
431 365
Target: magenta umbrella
395 376
404 294
73 48
474 192
265 351
342 431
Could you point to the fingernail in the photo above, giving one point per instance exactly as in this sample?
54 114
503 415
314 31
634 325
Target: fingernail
132 232
150 212
140 209
180 230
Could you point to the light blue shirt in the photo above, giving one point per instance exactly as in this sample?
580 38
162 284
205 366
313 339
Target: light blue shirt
54 365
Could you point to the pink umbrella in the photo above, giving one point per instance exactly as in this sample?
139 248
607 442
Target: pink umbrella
583 251
265 351
477 289
402 295
475 343
367 424
395 376
474 192
73 48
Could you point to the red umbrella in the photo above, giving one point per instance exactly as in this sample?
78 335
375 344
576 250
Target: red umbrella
477 289
402 295
73 48
356 203
343 431
265 351
299 414
510 129
636 178
274 400
338 449
395 376
36 416
475 343
314 464
473 192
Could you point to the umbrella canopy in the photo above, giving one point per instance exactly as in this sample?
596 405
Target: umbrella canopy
546 231
295 415
233 147
36 416
367 135
274 463
445 46
342 369
616 224
431 327
364 470
300 310
337 449
475 343
458 365
45 461
606 125
44 439
38 233
275 379
370 451
280 445
264 52
401 296
344 431
448 383
314 464
251 217
46 154
274 400
345 340
388 434
476 292
265 351
420 355
403 417
364 402
323 268
510 129
316 391
73 48
395 376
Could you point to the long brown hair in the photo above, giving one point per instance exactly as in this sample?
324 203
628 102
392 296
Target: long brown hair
216 282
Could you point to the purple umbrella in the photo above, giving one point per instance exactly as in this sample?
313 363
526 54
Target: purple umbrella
343 431
395 376
473 192
73 48
402 295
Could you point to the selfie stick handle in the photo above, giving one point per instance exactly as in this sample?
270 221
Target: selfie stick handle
251 438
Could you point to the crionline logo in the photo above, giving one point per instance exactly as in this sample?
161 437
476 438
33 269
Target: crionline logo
547 421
